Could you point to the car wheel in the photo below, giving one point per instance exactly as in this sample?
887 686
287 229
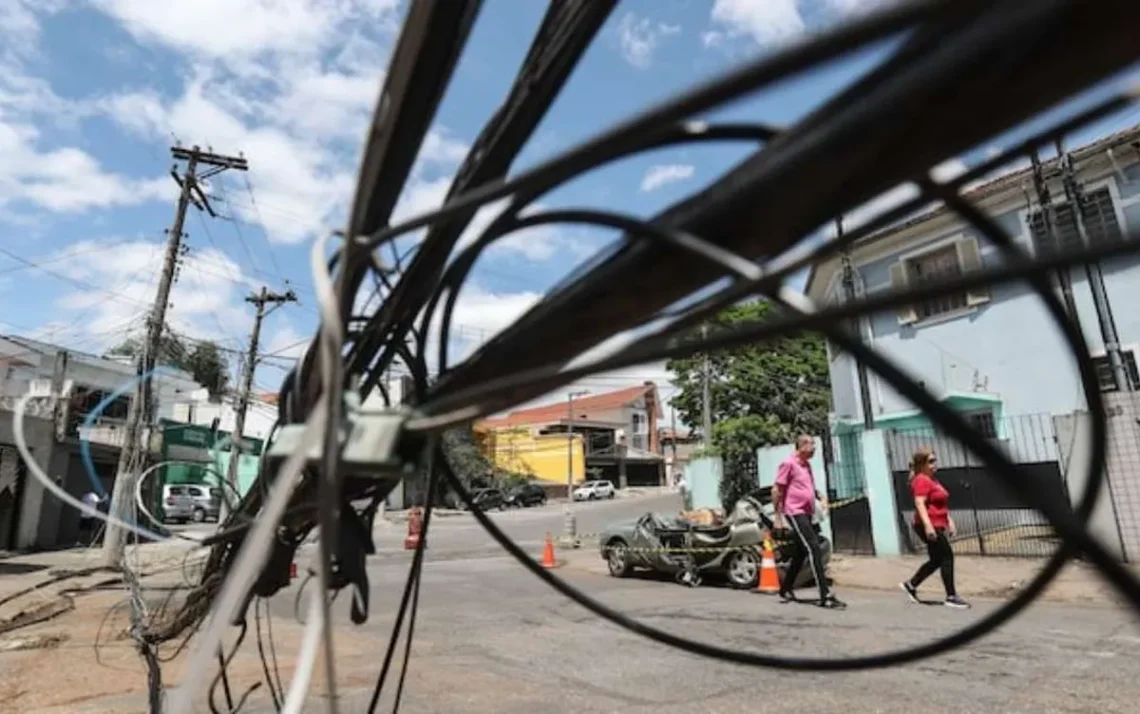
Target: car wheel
742 569
617 558
199 515
611 495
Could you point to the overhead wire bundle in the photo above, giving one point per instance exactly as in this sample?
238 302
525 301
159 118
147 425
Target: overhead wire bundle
958 74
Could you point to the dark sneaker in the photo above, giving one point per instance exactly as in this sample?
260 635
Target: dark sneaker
786 597
910 590
832 603
957 602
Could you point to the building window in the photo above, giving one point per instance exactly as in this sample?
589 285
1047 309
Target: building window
937 265
945 262
639 423
1104 371
982 421
1098 213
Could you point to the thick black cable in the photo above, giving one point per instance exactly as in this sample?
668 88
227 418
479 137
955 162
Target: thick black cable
760 205
223 674
569 28
261 654
410 584
488 397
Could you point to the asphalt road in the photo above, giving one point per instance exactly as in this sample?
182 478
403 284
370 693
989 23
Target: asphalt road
460 536
490 637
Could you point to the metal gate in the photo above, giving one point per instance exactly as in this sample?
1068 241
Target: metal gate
847 491
990 520
12 477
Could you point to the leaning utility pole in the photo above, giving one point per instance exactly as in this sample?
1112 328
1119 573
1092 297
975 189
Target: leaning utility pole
261 300
850 295
1108 332
136 439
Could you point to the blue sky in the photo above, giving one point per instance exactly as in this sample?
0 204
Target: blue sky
93 93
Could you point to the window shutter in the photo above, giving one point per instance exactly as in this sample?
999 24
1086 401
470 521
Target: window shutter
970 260
907 315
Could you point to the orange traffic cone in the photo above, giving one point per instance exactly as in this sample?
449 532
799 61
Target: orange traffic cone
769 575
548 553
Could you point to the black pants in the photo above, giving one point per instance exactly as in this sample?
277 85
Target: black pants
806 547
940 556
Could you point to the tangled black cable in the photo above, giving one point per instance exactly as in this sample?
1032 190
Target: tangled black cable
918 108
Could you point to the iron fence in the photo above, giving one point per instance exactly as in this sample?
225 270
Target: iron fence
851 524
990 519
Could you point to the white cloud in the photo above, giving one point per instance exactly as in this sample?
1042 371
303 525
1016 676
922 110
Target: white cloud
65 179
664 174
774 22
237 30
60 179
640 37
123 278
286 342
768 22
712 38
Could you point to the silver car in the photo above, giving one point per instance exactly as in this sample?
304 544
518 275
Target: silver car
662 543
191 502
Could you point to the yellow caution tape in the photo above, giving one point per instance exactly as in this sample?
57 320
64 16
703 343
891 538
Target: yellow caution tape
627 549
576 541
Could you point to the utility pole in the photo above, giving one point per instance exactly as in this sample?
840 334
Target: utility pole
261 300
673 443
706 394
1064 277
570 525
1096 279
850 295
136 438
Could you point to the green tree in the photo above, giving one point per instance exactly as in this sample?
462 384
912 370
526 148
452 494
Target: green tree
204 361
209 367
472 468
762 394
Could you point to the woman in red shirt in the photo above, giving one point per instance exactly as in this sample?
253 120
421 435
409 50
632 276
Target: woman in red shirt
933 524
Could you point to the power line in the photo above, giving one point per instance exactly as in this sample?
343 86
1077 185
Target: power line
67 278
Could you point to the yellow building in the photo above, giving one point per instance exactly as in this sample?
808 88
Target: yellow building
540 456
611 436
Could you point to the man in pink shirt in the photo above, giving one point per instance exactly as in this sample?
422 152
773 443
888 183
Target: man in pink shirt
793 496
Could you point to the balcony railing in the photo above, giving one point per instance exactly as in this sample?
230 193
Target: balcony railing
112 433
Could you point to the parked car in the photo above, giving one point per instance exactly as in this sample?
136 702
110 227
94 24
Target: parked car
488 499
732 549
528 494
191 502
594 490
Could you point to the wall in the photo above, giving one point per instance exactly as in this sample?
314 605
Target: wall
543 457
975 350
1073 437
1122 470
259 418
703 477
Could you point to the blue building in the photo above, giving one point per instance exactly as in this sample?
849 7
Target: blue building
992 353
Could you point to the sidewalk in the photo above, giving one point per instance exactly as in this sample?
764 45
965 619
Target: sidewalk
24 571
1000 578
976 577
